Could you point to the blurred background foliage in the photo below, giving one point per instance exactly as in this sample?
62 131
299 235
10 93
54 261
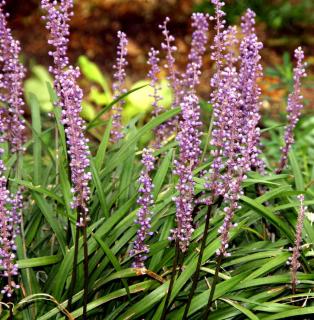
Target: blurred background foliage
282 25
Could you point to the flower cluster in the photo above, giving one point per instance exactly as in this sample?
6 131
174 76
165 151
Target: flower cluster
140 249
249 73
294 260
153 61
189 146
10 214
198 48
294 107
170 49
117 87
70 98
168 128
235 100
12 74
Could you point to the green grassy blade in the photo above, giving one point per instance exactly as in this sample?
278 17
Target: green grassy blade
52 220
112 259
121 155
101 152
38 262
93 123
299 182
99 189
36 123
267 213
39 189
161 173
244 310
291 313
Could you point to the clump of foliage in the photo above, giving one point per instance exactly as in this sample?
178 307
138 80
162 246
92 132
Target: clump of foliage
203 223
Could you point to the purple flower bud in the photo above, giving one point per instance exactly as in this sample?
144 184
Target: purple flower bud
294 260
70 100
189 146
12 74
198 47
118 86
294 107
140 249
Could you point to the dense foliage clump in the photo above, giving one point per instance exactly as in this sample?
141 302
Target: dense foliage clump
207 219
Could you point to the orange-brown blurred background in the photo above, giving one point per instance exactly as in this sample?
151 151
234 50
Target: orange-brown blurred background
281 24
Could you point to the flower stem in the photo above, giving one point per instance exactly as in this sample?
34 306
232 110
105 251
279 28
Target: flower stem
85 298
173 275
213 286
198 266
74 269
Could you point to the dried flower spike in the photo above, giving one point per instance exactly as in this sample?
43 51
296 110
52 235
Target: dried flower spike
294 107
294 260
118 86
70 99
145 200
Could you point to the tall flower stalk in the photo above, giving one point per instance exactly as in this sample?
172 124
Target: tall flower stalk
145 200
12 131
294 107
191 78
236 111
12 73
189 148
118 86
173 77
70 97
153 62
294 260
10 217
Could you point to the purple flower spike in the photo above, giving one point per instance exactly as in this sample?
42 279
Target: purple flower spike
10 214
145 200
170 127
294 260
117 87
12 74
250 71
198 48
153 61
170 48
70 99
294 107
189 146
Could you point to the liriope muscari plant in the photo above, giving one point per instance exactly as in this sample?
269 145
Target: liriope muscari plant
11 84
153 62
118 86
9 225
145 201
294 108
70 95
12 131
235 150
293 261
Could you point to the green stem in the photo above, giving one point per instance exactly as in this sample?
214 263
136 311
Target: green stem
213 286
74 269
85 298
198 266
173 276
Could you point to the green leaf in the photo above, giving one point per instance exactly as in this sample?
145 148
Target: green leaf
93 123
122 154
